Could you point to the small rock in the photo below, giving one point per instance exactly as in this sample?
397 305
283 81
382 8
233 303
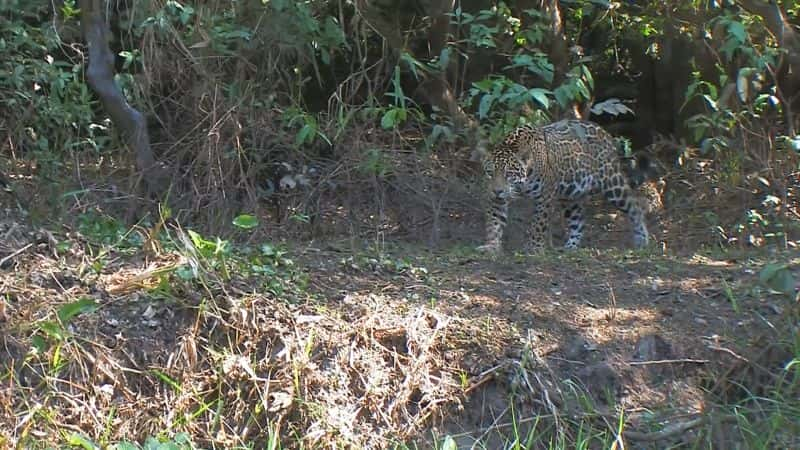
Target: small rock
149 312
652 347
578 348
601 381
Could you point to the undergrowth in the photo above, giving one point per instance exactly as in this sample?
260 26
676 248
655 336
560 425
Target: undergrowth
132 324
257 360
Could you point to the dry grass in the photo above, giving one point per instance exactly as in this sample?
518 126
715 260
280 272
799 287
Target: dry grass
379 348
220 361
123 334
374 351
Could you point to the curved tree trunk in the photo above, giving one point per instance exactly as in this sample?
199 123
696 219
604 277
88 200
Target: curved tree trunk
788 74
100 76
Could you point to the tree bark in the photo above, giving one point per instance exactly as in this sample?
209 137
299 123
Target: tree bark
559 53
439 12
776 20
788 72
100 77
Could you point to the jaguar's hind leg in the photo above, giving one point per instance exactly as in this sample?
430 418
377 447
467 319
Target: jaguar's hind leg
573 212
621 196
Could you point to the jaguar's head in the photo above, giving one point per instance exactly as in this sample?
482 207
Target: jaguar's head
505 162
504 171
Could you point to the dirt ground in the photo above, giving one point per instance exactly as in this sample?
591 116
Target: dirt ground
649 328
394 341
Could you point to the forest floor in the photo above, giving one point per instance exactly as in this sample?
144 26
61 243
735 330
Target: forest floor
109 336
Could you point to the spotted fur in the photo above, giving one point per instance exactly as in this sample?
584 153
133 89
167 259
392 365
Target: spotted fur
567 161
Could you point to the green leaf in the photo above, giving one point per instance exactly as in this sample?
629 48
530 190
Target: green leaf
245 221
737 30
82 441
522 60
39 344
151 443
183 438
167 380
412 63
169 446
778 277
185 273
393 117
783 282
563 95
769 271
70 310
449 444
698 132
306 134
540 95
199 242
484 85
587 75
582 89
444 58
124 445
52 330
389 119
267 250
485 105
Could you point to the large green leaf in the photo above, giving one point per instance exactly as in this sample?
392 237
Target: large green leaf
70 310
778 277
485 105
540 95
79 440
245 221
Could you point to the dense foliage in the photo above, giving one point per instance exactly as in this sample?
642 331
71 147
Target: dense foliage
252 83
204 208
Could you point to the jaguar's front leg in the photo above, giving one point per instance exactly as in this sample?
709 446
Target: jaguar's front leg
496 220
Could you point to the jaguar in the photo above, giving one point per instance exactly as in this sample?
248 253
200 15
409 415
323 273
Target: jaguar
563 162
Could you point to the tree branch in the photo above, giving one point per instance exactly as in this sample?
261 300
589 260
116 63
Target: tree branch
100 76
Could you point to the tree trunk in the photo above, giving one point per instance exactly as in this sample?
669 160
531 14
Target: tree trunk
384 16
100 76
788 73
437 90
439 12
559 54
